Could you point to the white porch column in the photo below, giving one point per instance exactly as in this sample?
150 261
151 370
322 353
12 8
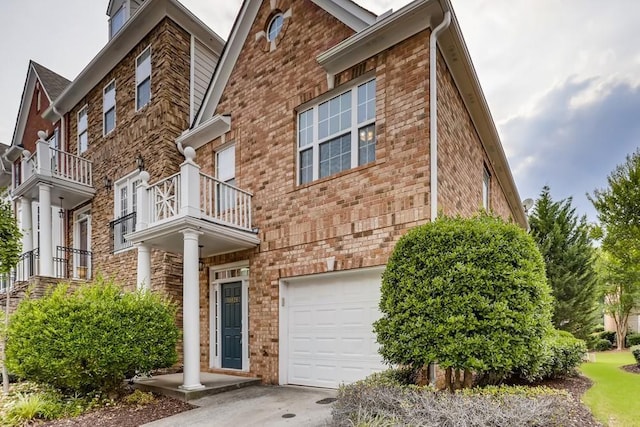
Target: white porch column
144 266
26 223
142 214
46 253
191 311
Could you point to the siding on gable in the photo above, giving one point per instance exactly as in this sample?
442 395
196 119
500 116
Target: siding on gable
203 64
134 6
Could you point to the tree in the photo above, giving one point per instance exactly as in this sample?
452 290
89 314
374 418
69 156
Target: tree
619 291
9 255
470 294
619 217
563 239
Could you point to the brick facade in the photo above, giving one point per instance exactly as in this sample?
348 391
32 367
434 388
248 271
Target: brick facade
356 215
150 132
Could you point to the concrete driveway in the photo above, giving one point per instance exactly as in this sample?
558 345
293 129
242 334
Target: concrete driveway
257 406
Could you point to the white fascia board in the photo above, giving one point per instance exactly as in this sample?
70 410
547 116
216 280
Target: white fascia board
206 132
25 102
396 27
134 30
352 15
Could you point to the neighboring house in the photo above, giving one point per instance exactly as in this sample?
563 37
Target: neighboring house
79 145
313 152
633 322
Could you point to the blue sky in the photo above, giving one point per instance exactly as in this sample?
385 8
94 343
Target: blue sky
561 76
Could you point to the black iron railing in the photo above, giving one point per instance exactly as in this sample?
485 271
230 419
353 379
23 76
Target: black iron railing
121 227
72 263
28 265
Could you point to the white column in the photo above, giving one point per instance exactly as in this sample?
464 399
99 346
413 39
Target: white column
46 253
27 225
142 214
191 311
144 266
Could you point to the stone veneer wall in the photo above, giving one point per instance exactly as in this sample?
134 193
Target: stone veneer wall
356 215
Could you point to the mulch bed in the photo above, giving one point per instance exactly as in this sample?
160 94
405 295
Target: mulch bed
634 369
126 415
579 415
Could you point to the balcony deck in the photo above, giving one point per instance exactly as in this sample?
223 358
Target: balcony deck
193 200
70 176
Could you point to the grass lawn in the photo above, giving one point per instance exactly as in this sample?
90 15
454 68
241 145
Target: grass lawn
615 396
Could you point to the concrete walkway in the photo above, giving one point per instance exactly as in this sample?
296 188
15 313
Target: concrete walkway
257 406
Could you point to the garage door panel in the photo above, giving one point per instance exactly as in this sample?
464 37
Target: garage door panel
330 331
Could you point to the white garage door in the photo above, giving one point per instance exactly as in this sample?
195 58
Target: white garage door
330 329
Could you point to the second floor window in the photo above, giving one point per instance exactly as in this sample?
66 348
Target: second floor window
83 134
337 134
125 207
109 107
486 188
143 78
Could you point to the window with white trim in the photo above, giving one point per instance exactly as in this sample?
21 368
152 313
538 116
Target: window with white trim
143 78
83 130
226 173
125 208
337 134
109 107
486 188
117 21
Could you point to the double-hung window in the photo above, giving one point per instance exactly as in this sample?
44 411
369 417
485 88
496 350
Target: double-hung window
337 134
226 175
83 127
486 188
109 107
126 201
143 79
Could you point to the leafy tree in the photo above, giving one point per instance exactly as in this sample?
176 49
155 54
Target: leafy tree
10 248
619 216
470 294
565 244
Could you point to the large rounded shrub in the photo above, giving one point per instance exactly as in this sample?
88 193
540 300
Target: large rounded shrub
470 294
91 339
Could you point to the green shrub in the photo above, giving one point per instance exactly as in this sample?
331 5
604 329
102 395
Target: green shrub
562 354
602 345
470 294
139 398
636 353
598 328
91 339
633 339
609 336
32 407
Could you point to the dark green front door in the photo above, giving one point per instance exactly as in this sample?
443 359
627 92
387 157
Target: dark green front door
232 325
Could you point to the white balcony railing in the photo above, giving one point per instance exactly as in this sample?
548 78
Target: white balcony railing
192 193
224 202
70 167
165 198
49 161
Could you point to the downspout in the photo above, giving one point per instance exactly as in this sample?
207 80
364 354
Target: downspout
433 111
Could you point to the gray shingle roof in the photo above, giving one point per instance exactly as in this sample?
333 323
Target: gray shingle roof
53 83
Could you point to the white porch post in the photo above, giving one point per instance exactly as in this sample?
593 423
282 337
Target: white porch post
191 311
144 266
142 222
46 253
26 222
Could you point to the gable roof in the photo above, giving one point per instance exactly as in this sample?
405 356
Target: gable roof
146 17
52 83
347 11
